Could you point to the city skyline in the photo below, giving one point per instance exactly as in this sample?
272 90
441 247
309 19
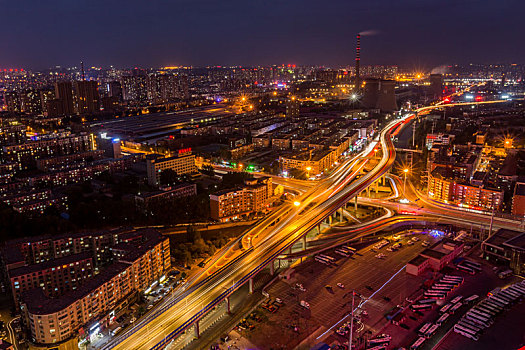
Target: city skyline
203 33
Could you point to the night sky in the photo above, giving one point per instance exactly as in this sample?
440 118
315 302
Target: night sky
411 33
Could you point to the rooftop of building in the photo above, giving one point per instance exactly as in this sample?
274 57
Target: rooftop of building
66 260
150 238
431 253
12 253
166 191
502 236
4 345
520 189
40 304
517 242
418 260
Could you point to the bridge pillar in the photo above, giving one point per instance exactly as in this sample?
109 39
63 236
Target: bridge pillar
341 218
355 205
377 186
304 242
197 332
272 268
250 290
330 220
319 229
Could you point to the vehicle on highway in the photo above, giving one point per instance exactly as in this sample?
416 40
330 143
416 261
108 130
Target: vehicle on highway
133 319
115 331
278 300
425 243
305 304
150 306
340 285
380 256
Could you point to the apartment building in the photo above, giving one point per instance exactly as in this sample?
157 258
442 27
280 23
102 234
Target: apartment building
231 204
26 154
460 192
182 163
61 298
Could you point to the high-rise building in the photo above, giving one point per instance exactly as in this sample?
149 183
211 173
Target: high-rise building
12 101
88 99
380 93
436 85
12 133
45 97
292 107
64 93
30 101
134 88
167 87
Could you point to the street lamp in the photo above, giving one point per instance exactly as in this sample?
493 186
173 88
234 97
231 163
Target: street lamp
297 203
308 169
405 182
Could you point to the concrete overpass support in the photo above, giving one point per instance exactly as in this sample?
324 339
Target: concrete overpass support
228 308
197 331
304 242
341 218
355 205
250 290
272 268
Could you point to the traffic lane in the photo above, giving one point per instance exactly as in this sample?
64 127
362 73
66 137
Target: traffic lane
385 161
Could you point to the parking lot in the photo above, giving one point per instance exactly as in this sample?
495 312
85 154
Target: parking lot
445 338
380 284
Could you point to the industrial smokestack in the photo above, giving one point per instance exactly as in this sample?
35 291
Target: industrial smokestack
357 60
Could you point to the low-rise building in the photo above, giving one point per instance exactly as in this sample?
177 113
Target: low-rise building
460 192
436 257
506 247
182 163
518 199
231 204
147 200
418 265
